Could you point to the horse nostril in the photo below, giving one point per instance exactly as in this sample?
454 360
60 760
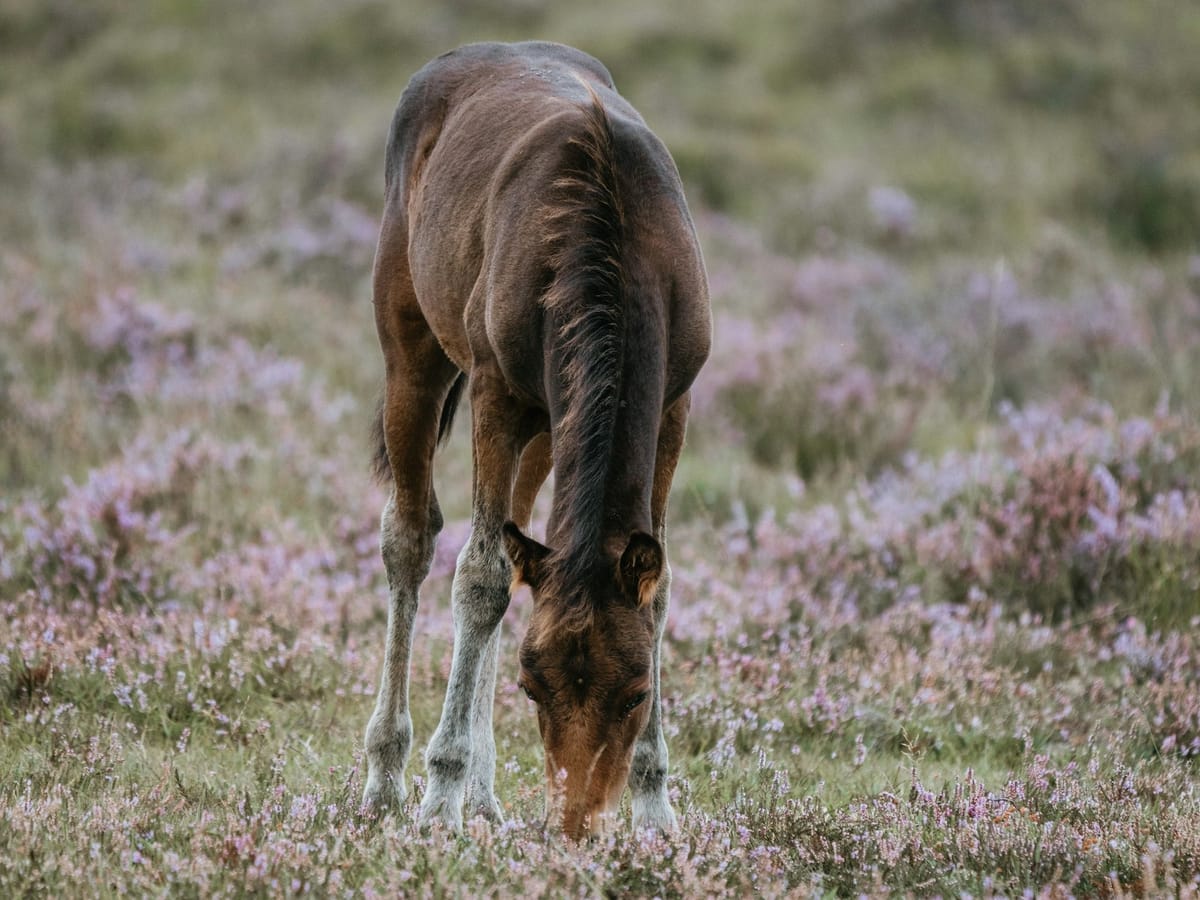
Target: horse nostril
575 823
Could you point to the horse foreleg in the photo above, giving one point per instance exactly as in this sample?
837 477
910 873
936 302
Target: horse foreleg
481 772
463 745
648 775
481 776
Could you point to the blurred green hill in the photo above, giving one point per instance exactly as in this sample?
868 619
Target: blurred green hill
998 116
914 211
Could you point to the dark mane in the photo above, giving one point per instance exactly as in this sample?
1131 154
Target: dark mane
585 303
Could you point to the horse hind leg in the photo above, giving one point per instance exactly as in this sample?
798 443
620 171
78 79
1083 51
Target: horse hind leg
409 526
648 774
406 552
419 381
536 462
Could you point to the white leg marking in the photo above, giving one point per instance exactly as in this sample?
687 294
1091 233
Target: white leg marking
407 559
481 776
648 776
480 598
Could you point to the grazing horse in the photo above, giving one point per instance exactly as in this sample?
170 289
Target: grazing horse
535 248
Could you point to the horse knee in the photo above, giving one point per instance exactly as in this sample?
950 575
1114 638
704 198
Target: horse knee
649 769
389 738
481 581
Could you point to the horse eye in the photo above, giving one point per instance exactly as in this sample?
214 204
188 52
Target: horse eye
528 692
634 703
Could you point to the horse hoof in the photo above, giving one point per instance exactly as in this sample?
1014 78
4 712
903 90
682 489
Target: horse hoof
489 809
383 795
655 814
441 811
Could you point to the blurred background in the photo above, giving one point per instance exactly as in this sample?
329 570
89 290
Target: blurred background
914 211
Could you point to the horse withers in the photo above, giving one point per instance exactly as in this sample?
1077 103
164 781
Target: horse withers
535 248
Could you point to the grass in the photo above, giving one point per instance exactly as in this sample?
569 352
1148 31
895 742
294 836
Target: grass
934 537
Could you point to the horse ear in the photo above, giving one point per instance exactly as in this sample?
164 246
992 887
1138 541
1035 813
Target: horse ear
525 554
640 568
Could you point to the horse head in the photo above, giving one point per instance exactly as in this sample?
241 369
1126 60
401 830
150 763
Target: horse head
587 664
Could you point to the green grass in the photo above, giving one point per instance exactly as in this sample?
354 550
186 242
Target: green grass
185 252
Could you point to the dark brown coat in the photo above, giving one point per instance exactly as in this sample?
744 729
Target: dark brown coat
536 241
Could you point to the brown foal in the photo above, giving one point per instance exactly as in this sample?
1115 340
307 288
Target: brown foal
535 245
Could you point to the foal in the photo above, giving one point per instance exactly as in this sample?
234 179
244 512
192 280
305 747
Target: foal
535 246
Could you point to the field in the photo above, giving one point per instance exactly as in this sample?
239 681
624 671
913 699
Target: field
935 536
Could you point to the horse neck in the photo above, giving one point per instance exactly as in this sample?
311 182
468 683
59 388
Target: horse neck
609 508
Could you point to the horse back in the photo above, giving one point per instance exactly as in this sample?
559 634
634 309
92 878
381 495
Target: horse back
479 150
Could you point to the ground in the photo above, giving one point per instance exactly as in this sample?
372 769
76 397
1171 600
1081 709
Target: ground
935 537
